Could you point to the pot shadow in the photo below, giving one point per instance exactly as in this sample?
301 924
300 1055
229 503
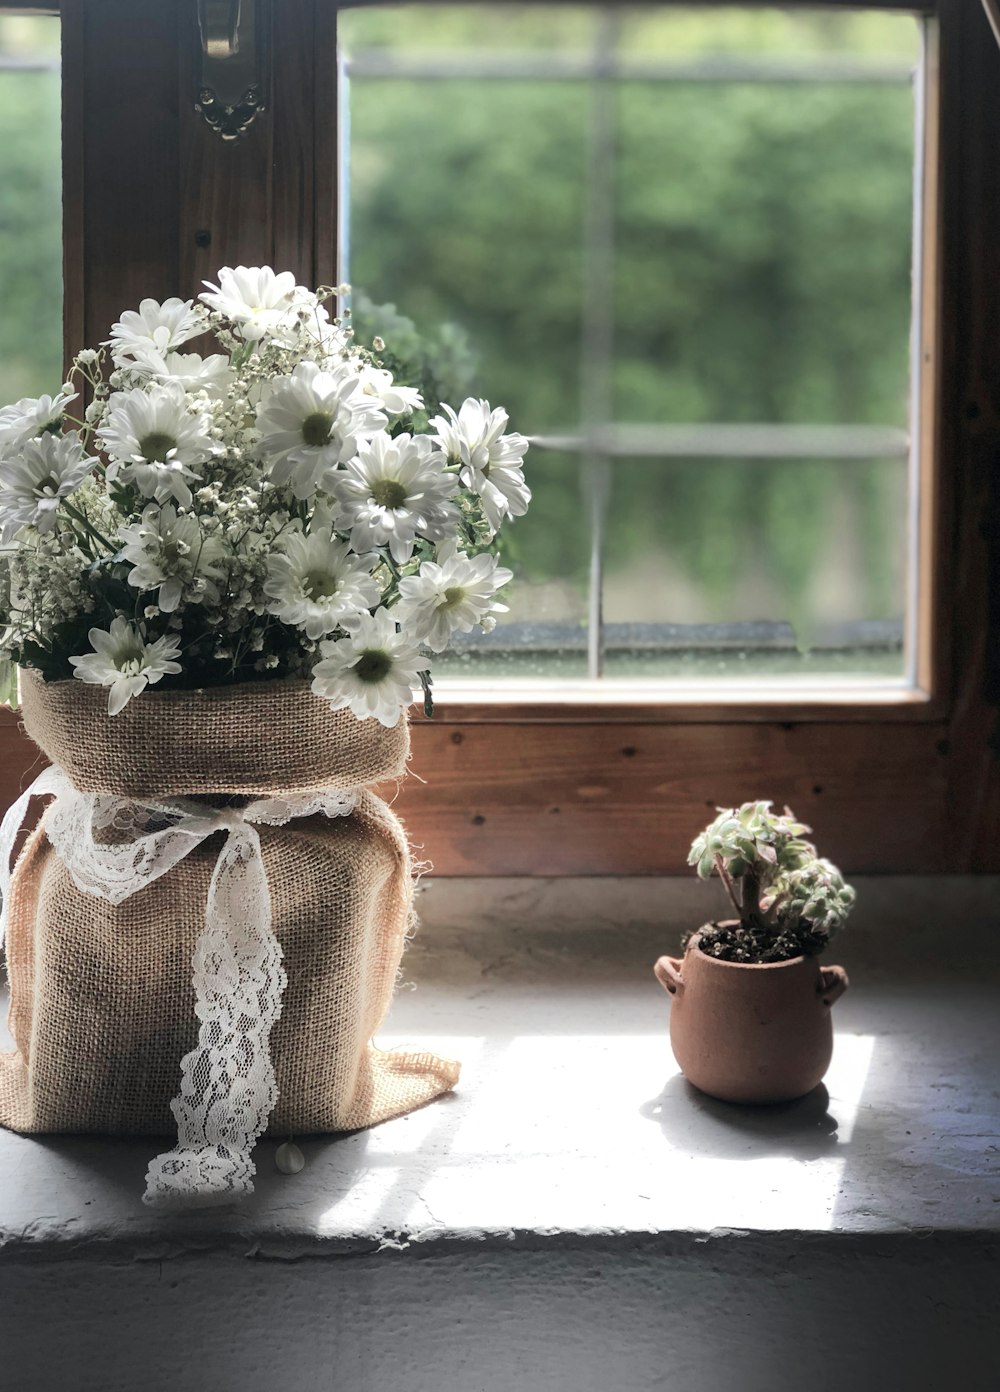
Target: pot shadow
691 1120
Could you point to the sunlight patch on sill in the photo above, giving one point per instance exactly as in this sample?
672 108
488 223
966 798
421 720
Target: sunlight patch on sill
551 1133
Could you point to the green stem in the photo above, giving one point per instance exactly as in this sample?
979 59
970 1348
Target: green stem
727 880
425 682
82 518
386 555
771 916
8 684
752 915
241 355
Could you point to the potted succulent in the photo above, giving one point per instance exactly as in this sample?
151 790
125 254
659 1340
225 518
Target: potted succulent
750 1019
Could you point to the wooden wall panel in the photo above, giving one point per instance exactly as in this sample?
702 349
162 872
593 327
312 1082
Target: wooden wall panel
155 201
970 432
629 799
225 194
486 800
121 101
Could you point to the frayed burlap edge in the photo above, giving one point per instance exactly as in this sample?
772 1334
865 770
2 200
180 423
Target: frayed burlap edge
253 739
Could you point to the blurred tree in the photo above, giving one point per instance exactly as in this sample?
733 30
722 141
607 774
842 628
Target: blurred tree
30 213
762 268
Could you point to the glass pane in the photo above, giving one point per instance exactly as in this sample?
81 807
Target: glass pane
545 633
31 220
763 251
442 225
785 576
653 224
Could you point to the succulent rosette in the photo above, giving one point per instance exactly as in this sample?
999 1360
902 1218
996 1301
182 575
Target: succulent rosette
276 504
788 899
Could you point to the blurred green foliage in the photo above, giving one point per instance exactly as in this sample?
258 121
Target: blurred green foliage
761 274
438 360
30 212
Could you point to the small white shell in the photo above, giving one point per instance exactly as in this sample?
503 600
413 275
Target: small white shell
288 1159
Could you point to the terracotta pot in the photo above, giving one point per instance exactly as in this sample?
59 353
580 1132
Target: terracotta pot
751 1033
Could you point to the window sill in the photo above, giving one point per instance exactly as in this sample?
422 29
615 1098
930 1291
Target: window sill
678 701
563 1035
573 1140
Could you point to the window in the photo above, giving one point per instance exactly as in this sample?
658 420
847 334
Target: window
154 202
679 244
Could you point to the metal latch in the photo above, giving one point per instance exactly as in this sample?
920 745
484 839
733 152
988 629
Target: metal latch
231 64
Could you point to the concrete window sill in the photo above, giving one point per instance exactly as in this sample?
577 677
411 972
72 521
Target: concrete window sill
572 1156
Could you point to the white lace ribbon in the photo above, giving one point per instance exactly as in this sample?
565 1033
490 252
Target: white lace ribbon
228 1087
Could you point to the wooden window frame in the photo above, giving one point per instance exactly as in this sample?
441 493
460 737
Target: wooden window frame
154 203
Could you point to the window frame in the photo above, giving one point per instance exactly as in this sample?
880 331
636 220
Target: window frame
594 786
920 695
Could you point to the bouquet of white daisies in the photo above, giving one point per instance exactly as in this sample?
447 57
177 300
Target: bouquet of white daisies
279 508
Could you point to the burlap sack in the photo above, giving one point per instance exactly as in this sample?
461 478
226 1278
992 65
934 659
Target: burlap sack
102 1003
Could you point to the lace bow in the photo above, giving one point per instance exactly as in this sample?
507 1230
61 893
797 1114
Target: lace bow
228 1086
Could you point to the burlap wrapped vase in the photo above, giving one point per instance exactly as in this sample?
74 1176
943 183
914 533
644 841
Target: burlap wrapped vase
103 1001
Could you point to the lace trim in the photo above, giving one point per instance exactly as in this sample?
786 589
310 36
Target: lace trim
228 1088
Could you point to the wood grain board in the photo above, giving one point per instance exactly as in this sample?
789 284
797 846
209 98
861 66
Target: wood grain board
627 799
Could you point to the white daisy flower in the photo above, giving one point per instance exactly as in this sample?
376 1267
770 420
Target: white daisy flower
170 552
154 437
258 302
311 422
34 482
374 670
395 399
160 327
193 372
491 460
393 492
450 595
125 662
31 416
319 583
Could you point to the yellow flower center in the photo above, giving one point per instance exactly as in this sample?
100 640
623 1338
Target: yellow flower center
389 493
316 429
129 662
156 446
453 597
373 665
319 584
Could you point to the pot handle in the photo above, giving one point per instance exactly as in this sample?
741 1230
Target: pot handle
668 974
833 983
